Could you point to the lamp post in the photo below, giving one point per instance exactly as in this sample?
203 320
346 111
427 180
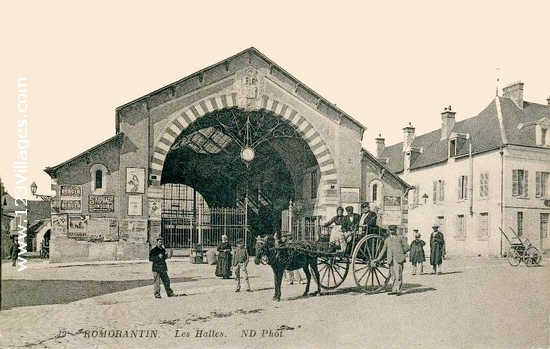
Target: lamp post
425 197
34 187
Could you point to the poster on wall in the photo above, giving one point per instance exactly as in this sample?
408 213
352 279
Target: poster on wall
101 203
78 227
59 224
70 191
155 209
134 205
135 180
103 229
70 198
134 230
392 211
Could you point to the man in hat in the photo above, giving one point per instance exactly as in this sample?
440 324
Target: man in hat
158 256
240 261
350 225
395 248
437 249
368 218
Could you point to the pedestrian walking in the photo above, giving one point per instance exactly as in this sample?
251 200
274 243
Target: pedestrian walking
158 256
395 248
14 252
223 267
437 249
416 254
240 261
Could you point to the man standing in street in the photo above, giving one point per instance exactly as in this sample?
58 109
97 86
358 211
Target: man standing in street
396 249
158 256
14 251
437 247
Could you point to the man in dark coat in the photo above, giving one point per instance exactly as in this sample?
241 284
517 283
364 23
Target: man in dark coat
158 256
437 247
14 252
368 218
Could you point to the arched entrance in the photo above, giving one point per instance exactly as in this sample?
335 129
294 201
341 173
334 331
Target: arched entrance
238 162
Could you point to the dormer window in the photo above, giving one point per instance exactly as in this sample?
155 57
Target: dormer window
542 130
456 142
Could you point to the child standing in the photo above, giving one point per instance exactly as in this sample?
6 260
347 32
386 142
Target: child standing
417 252
240 261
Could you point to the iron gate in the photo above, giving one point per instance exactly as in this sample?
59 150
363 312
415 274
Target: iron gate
187 220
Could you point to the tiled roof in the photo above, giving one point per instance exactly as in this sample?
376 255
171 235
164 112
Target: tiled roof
114 139
485 134
366 154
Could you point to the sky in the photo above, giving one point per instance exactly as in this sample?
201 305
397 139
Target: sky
384 63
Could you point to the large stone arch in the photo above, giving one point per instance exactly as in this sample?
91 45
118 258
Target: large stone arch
180 120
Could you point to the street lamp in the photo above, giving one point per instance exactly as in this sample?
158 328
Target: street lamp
34 187
425 197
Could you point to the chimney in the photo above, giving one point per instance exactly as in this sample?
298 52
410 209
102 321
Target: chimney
380 146
408 136
548 100
447 122
514 91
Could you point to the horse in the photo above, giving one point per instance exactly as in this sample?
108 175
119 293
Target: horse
290 256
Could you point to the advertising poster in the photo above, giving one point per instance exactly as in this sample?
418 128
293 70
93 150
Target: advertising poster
135 180
185 114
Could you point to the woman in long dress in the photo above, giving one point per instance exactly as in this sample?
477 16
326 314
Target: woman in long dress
223 267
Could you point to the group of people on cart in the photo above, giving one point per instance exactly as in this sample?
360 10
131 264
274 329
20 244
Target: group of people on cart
343 226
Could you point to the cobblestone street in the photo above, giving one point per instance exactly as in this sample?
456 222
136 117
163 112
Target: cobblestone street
476 303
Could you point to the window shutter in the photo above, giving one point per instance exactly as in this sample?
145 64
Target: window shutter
538 185
460 187
515 183
442 198
526 184
434 196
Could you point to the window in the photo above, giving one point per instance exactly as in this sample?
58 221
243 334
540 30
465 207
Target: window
462 187
484 184
519 183
452 148
544 224
441 223
519 230
98 179
483 228
314 184
438 191
543 132
542 184
376 193
460 227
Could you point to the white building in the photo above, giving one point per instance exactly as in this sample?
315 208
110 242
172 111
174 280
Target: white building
475 176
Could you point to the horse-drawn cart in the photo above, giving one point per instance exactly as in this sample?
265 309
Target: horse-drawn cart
329 268
360 251
521 252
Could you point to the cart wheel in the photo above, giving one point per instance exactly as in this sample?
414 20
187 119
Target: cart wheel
370 279
531 256
332 271
514 258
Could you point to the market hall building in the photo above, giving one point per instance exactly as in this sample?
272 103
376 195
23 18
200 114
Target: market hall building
240 148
